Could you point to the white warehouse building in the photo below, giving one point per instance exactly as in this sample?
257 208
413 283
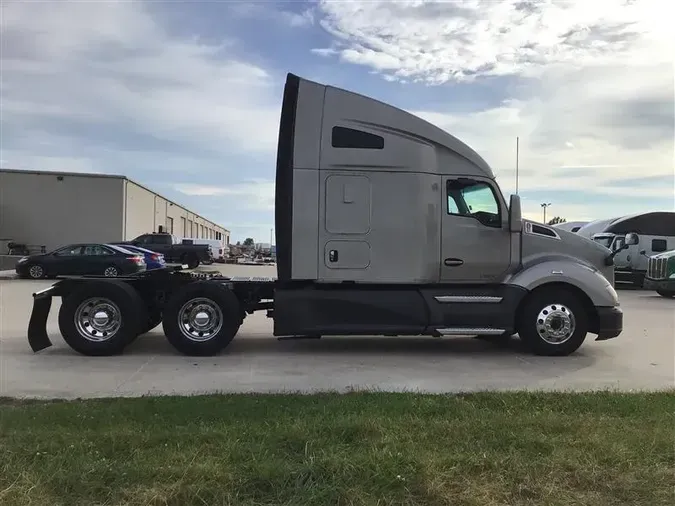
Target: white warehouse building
51 209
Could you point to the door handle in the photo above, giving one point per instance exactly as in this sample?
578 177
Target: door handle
453 262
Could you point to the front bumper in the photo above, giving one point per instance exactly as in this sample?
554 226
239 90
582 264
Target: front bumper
659 284
628 276
610 322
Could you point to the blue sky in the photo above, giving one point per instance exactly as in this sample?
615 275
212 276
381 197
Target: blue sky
184 96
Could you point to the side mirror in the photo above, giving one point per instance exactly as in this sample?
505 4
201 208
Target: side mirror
632 239
515 214
643 252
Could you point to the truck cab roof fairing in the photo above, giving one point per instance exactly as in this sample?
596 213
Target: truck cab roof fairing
395 119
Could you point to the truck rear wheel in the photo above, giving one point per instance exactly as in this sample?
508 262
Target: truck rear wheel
553 322
101 318
666 293
191 260
202 318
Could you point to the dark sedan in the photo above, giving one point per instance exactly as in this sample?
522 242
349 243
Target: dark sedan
80 259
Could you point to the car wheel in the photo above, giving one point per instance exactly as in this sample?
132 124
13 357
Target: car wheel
36 271
111 272
101 318
553 322
666 293
202 318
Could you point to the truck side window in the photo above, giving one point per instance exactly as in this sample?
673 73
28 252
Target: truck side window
475 199
659 245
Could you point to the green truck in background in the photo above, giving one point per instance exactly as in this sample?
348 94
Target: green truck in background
661 274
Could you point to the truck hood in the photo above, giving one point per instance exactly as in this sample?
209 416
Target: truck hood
665 254
543 241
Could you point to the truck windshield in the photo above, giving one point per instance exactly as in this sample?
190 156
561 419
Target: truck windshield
605 241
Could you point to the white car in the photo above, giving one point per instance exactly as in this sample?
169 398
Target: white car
218 249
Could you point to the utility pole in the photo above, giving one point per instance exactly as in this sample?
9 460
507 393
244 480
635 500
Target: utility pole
517 160
545 205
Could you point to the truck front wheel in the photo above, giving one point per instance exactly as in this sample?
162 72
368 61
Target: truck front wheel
553 322
202 318
101 317
666 293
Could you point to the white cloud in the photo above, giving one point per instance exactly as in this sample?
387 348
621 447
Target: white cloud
594 83
255 194
125 72
437 42
267 11
27 161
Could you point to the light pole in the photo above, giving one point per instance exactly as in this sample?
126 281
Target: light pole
545 205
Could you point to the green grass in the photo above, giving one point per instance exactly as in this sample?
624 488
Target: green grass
362 449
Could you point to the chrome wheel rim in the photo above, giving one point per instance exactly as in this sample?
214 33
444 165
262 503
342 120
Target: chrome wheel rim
110 272
200 319
36 271
98 320
556 324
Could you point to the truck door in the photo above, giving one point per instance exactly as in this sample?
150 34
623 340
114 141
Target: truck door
475 237
623 259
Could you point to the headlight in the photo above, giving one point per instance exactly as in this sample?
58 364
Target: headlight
22 260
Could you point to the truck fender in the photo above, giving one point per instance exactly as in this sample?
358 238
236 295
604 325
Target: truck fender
590 281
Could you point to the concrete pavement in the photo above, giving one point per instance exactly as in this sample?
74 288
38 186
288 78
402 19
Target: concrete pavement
641 358
8 274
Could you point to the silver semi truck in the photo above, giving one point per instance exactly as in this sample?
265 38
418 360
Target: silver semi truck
385 225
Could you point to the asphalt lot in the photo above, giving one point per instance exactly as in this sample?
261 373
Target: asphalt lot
641 358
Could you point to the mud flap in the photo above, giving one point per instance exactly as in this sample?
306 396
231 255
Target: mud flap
37 327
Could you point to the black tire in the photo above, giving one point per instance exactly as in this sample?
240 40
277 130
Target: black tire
37 271
192 261
124 297
669 294
558 304
216 297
